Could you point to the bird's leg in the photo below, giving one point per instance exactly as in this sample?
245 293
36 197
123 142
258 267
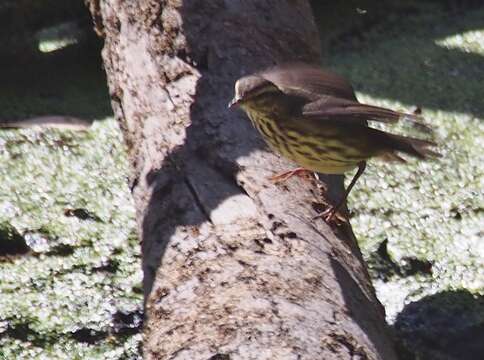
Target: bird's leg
286 175
331 214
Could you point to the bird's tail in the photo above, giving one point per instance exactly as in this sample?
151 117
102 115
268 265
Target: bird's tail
377 113
415 147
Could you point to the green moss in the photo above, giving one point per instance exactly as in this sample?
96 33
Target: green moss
84 268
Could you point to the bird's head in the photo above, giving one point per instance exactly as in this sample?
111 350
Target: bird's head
250 88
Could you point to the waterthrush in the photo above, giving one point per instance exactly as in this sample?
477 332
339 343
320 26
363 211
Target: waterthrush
312 117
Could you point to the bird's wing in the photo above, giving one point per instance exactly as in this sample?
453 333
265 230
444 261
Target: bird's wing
329 96
336 109
308 81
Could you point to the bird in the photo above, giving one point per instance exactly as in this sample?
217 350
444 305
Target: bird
311 116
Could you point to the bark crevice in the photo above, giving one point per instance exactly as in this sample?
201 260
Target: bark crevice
197 199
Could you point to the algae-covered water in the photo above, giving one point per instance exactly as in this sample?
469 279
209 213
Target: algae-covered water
76 294
70 273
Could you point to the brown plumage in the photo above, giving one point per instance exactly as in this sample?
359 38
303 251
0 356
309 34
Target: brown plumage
313 117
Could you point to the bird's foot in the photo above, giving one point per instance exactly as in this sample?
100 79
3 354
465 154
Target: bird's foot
279 178
332 216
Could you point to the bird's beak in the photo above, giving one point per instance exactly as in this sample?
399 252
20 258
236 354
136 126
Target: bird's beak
233 102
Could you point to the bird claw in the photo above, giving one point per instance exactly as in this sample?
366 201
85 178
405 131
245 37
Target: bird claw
332 217
331 214
279 178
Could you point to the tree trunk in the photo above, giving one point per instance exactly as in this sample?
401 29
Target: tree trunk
234 266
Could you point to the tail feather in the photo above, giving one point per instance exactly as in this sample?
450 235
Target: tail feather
381 114
411 146
416 121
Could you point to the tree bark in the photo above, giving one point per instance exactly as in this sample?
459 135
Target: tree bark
234 266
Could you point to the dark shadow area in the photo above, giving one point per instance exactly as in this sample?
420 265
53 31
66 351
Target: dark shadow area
12 243
68 80
21 16
448 325
351 20
384 267
124 324
421 73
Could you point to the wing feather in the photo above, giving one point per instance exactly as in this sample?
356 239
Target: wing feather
308 81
